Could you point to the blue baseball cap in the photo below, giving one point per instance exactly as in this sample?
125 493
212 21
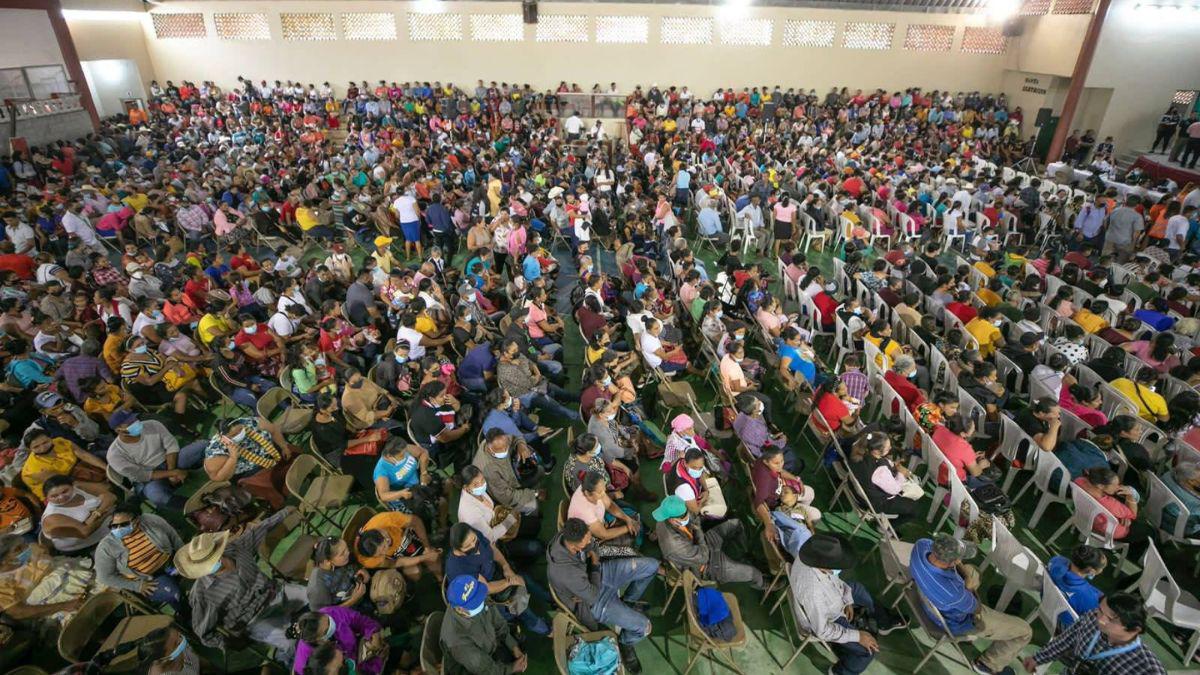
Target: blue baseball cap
466 592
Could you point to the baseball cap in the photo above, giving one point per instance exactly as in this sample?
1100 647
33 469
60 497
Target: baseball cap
1028 339
47 399
949 548
466 592
671 507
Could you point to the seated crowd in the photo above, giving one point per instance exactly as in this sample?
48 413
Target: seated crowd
235 319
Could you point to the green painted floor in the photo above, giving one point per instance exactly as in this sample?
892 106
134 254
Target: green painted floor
768 645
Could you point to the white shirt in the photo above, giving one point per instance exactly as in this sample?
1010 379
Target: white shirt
651 344
79 227
21 235
1177 226
573 125
413 337
406 208
281 324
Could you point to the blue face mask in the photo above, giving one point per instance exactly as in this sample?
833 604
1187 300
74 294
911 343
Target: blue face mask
250 330
836 573
476 611
216 567
179 649
134 429
683 522
695 473
122 531
141 349
319 361
502 455
479 491
332 627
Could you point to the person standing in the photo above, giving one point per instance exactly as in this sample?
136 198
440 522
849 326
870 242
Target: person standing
1192 148
1166 129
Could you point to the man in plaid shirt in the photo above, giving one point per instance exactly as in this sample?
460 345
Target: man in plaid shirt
1105 641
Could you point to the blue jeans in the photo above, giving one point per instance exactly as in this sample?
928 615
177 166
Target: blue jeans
549 367
854 658
633 574
545 402
159 492
248 398
167 591
475 384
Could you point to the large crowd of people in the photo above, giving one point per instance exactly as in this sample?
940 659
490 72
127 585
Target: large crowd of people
237 314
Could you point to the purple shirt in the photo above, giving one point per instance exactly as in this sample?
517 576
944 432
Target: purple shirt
78 368
350 629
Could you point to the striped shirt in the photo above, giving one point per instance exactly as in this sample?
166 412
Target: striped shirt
1071 647
140 365
256 450
144 556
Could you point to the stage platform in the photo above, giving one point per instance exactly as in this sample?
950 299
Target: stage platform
1159 166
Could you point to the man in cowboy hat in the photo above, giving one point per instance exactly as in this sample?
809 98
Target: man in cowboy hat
231 591
842 613
475 636
686 545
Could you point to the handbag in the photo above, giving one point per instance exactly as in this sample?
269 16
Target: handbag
991 499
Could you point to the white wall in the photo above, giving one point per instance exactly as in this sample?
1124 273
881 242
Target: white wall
26 39
1145 56
111 81
97 40
703 68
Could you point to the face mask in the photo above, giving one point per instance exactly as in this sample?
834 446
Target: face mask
695 473
1089 576
157 315
997 323
122 531
216 567
319 361
508 404
479 491
476 611
596 449
857 311
141 349
720 314
836 573
239 437
683 522
134 429
912 375
739 338
251 330
179 649
502 455
138 275
332 627
25 556
401 359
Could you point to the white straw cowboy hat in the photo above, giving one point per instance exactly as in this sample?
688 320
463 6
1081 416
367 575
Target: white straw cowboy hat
197 558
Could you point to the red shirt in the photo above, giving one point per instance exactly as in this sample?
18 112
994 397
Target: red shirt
198 292
261 339
828 307
246 261
19 263
833 409
956 449
1117 507
906 389
962 310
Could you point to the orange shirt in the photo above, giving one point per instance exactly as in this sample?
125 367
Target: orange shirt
402 540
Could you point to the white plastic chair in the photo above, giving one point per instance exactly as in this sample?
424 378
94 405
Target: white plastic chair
1086 510
811 233
960 497
1166 601
1047 466
1053 605
1157 501
1020 567
1014 443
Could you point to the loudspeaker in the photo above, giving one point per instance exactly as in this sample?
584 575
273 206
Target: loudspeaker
529 10
1043 117
1014 27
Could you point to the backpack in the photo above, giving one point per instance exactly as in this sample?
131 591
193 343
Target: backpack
593 658
991 499
712 612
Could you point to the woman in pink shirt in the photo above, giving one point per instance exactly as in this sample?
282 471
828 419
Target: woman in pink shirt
1084 403
1119 500
952 439
1158 352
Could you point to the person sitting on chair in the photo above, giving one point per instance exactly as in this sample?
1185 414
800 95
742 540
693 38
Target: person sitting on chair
475 637
687 545
135 558
838 612
949 585
1107 639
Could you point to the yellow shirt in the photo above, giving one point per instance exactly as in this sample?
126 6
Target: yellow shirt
1089 321
306 219
210 323
425 325
385 260
987 270
989 297
1150 405
136 202
891 352
988 335
38 468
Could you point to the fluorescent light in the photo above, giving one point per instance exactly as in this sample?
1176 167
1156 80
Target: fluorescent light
1003 9
428 7
101 15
